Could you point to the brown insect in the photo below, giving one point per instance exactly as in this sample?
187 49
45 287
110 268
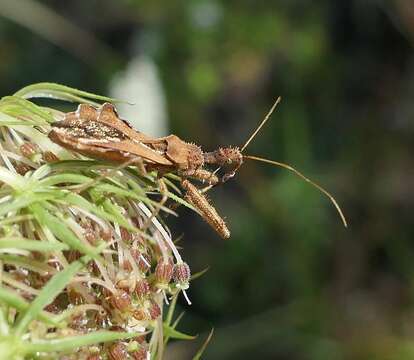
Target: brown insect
100 133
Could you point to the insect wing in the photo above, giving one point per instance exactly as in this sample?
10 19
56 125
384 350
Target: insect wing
106 149
99 133
107 115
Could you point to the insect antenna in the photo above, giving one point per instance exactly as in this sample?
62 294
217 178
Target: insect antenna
267 117
286 166
237 152
298 173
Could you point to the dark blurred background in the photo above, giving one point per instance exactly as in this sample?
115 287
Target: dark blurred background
292 282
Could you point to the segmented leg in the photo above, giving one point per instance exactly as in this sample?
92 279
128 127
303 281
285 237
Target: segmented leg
207 211
205 176
141 166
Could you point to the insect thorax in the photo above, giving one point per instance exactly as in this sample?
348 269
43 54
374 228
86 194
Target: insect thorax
195 157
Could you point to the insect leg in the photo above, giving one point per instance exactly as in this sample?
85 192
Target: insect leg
202 175
206 210
141 166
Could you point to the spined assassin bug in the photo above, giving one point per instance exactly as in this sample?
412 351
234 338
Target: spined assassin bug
100 133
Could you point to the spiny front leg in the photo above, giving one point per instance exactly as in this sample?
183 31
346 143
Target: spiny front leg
205 176
207 211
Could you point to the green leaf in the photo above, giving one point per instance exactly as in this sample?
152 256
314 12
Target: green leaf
9 120
27 263
73 342
181 201
70 165
16 301
199 274
15 219
4 324
119 218
41 172
60 92
171 185
64 178
32 245
108 188
79 201
175 334
60 230
52 288
174 325
4 122
200 352
25 200
12 179
15 106
171 310
177 321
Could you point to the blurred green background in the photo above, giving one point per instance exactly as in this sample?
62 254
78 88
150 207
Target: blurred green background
291 283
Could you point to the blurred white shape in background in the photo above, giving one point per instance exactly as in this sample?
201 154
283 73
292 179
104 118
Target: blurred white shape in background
140 85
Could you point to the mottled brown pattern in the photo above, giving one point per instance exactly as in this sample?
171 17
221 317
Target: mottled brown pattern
100 133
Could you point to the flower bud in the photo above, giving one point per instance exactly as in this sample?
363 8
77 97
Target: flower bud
125 235
154 310
142 259
182 275
94 357
121 300
22 168
101 318
140 314
140 354
50 157
142 289
117 351
126 284
164 272
74 297
28 150
106 234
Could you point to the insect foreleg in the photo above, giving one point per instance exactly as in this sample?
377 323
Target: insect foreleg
206 210
205 176
141 166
